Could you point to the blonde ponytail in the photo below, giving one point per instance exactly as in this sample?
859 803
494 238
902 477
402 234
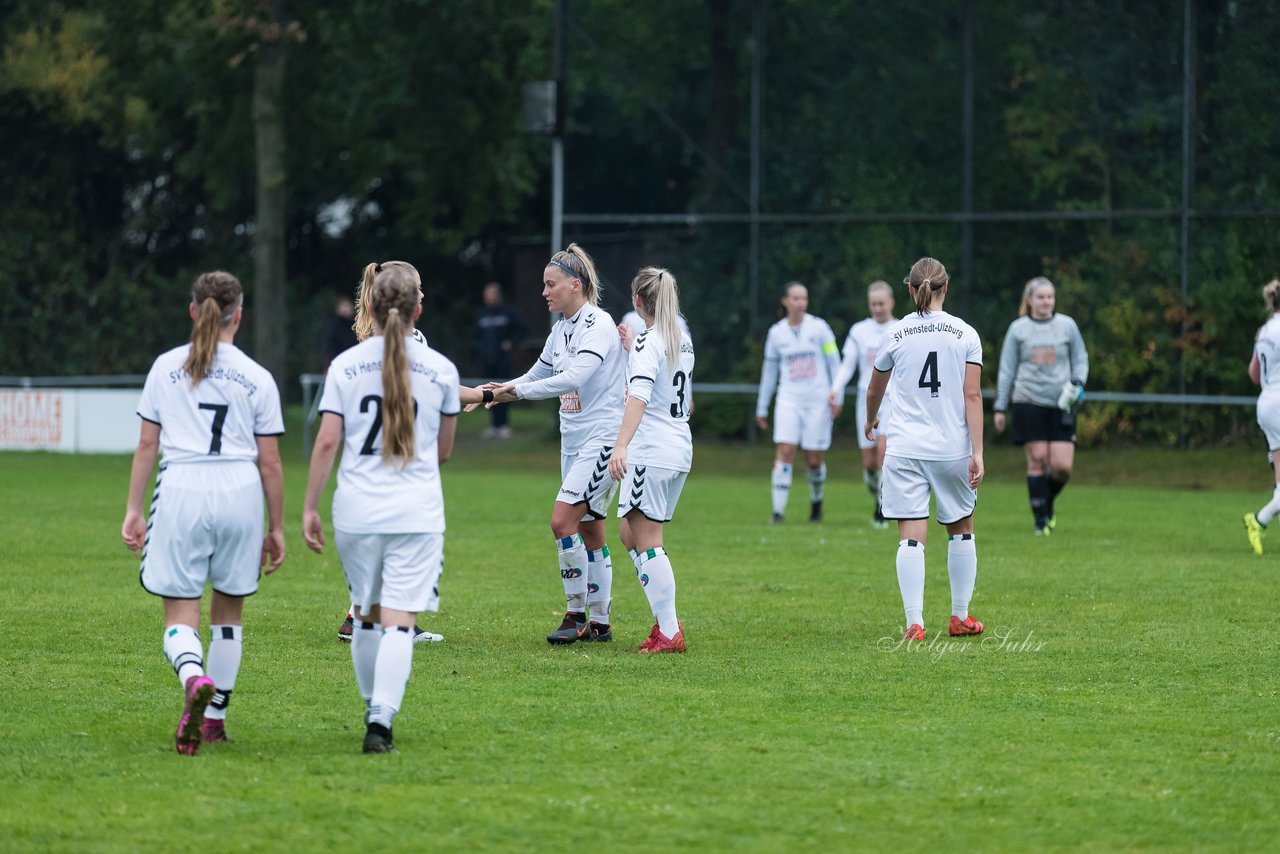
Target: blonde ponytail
575 261
1271 295
658 293
397 399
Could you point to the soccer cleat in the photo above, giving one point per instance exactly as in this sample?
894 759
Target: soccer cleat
967 626
1043 530
815 512
660 643
572 628
377 739
914 632
421 635
1051 522
199 691
600 633
213 731
775 519
345 630
1254 530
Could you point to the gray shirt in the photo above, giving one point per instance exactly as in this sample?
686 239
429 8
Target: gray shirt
1038 358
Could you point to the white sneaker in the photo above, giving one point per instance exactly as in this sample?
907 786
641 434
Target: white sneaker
489 433
502 433
421 635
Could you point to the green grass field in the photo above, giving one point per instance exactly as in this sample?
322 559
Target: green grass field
1124 696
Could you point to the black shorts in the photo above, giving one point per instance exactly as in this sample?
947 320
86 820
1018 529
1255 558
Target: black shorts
1032 423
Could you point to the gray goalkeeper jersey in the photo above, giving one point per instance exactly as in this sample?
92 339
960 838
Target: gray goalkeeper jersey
1038 358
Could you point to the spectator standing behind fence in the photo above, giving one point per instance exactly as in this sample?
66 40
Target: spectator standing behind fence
801 360
499 330
934 361
1043 369
1264 369
214 415
860 348
339 334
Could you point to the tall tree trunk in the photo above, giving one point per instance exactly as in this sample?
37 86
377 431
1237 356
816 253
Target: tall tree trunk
269 339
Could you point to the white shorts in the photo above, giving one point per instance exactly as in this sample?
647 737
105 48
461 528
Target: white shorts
1269 420
809 427
400 571
205 526
906 484
586 480
651 490
860 413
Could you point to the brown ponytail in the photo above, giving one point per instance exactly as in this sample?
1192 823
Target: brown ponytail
1271 295
927 279
217 296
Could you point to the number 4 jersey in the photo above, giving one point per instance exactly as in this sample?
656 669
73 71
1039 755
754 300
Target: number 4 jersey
218 420
928 354
662 440
373 496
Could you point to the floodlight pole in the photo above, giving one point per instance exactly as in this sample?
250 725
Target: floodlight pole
1188 177
557 140
757 132
966 192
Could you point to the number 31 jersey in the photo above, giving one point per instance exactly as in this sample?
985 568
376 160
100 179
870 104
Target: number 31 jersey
374 496
928 354
218 420
662 439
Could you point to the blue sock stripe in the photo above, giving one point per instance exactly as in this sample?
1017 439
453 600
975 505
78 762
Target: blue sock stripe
567 542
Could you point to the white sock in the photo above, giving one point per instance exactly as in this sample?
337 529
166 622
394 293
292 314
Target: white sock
391 675
659 584
573 572
1270 509
872 480
781 486
817 481
911 580
225 646
962 567
365 639
599 585
182 648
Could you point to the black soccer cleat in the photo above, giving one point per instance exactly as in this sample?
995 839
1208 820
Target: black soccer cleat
377 739
344 631
573 628
599 633
815 512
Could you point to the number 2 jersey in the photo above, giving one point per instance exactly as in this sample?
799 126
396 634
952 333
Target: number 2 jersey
928 354
386 497
582 363
218 420
801 362
662 440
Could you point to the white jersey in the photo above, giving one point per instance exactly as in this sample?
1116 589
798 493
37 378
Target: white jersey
218 420
928 355
373 496
1267 348
662 439
800 361
859 353
581 363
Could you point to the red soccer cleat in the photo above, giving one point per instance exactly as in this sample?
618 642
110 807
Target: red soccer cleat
648 642
662 643
967 626
914 632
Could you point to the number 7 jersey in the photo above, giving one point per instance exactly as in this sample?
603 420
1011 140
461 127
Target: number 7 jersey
662 440
218 420
928 354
